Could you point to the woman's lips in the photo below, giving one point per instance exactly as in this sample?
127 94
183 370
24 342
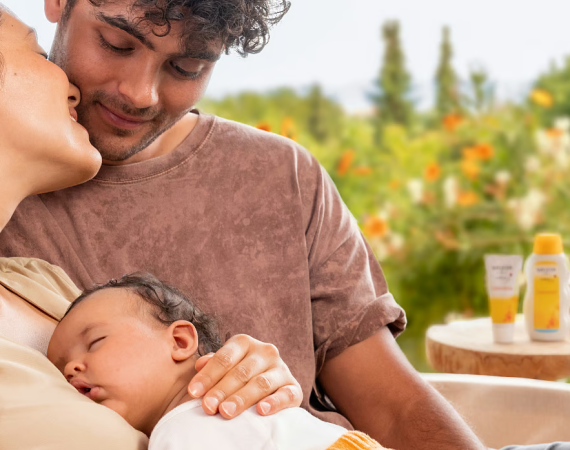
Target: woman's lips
73 113
119 121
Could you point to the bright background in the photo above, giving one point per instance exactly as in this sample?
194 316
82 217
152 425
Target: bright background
337 44
441 186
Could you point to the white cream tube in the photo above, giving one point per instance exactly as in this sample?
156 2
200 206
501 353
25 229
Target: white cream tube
502 274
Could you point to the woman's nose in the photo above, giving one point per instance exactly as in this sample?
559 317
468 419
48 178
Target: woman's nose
72 368
74 96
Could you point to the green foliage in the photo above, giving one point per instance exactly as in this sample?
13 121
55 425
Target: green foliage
448 95
319 115
557 83
393 84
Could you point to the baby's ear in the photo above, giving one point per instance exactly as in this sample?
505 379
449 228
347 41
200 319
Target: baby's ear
184 340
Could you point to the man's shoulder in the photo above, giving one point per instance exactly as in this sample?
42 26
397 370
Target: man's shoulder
241 137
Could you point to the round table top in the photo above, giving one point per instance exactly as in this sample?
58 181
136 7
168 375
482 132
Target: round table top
468 347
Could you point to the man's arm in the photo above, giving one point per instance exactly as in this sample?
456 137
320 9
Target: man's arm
376 388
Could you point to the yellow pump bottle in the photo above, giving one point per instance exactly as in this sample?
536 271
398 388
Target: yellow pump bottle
547 300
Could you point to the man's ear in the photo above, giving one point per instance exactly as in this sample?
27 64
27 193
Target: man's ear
184 340
54 9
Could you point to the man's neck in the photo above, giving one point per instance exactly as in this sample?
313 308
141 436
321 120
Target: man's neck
166 143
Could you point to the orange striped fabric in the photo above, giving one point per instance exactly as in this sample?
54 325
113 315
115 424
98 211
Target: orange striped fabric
355 440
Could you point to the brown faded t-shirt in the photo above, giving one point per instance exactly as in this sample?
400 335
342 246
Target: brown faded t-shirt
245 221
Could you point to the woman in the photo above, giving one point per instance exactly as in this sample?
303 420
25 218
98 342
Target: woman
42 148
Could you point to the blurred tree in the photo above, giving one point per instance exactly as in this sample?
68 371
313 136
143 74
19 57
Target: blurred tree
392 102
482 89
317 120
448 96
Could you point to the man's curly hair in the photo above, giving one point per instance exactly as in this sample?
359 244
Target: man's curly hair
242 25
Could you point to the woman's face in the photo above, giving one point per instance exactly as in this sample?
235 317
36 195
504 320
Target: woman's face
47 148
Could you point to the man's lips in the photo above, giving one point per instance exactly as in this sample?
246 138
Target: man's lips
119 120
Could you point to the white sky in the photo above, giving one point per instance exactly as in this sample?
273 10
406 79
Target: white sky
337 42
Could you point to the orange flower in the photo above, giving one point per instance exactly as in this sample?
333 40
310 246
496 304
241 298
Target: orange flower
470 169
264 126
542 98
555 133
345 162
362 171
480 152
467 198
394 184
376 227
451 122
288 128
432 172
485 151
470 153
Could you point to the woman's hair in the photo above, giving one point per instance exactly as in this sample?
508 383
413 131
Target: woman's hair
167 305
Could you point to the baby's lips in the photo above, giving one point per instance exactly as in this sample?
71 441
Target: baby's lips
81 386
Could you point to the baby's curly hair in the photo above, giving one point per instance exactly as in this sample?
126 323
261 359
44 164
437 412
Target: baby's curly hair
242 25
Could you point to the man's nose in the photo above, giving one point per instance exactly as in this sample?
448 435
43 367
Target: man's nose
141 87
72 368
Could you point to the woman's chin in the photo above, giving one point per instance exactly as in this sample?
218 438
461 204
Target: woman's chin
72 174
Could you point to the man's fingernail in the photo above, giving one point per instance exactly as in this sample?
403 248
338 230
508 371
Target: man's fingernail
197 390
211 403
229 408
265 407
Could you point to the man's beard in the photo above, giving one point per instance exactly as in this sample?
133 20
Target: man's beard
111 149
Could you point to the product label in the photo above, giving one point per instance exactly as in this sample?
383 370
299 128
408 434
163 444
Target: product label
504 310
546 297
502 286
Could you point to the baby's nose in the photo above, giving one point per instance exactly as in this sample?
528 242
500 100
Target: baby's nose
72 368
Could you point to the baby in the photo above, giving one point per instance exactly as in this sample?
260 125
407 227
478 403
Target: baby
132 344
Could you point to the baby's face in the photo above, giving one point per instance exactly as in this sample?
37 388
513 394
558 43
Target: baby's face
109 353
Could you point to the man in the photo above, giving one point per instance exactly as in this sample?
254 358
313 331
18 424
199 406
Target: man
247 221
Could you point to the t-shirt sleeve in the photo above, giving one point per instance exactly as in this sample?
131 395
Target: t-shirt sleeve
350 296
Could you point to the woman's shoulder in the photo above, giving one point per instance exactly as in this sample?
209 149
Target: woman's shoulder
42 284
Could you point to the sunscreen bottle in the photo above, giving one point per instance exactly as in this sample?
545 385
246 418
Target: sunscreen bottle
547 298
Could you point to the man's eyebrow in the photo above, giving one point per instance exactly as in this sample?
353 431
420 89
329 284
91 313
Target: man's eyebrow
122 23
204 55
128 27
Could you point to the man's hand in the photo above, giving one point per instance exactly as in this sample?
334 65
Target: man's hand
377 389
243 372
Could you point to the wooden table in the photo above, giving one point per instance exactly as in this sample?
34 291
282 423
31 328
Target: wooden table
468 347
